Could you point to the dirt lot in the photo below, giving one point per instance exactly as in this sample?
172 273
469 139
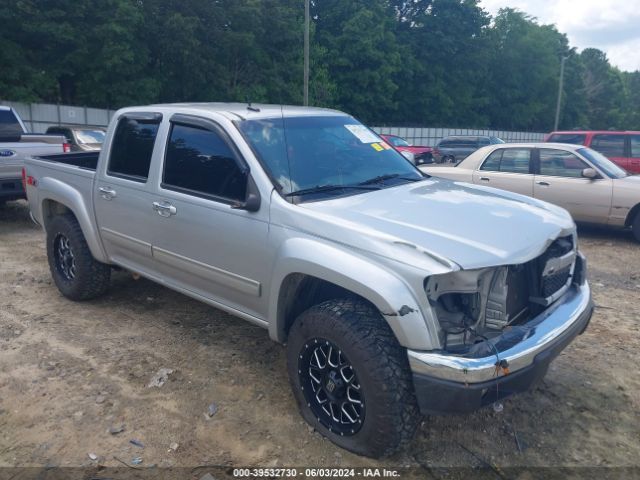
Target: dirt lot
70 371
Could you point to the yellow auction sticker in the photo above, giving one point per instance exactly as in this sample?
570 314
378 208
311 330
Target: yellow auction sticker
377 147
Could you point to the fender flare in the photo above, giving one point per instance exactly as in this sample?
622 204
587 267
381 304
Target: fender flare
380 286
50 189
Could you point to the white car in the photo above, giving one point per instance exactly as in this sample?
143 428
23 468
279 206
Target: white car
591 187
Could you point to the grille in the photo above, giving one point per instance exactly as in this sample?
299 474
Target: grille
554 282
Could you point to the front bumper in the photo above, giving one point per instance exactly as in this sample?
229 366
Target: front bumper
446 383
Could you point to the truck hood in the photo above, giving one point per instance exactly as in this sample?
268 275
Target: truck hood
472 226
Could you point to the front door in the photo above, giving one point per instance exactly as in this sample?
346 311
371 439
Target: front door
201 243
560 182
123 192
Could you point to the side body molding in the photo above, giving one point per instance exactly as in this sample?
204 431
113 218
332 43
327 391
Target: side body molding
392 297
52 189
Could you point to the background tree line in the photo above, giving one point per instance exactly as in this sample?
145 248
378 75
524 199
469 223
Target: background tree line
421 62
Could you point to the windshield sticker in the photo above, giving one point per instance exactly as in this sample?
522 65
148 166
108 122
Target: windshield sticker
377 147
362 133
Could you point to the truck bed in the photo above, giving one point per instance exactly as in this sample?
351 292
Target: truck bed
86 160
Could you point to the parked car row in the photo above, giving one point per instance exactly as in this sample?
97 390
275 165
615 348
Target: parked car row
16 143
623 148
590 186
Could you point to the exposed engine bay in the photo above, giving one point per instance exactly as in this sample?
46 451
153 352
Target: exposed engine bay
474 306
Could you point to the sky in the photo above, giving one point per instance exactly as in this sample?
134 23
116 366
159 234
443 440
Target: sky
612 26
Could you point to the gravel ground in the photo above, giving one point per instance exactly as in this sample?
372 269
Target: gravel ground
69 372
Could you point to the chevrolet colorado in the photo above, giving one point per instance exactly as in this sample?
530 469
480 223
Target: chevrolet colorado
15 144
395 293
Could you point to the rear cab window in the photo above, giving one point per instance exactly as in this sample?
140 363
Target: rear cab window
132 146
573 138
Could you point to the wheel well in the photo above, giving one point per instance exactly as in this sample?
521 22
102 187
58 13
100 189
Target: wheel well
51 208
632 215
300 292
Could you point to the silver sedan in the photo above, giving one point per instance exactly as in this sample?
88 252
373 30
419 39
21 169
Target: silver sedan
591 187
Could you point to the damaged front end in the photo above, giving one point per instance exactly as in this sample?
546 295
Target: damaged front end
473 307
500 328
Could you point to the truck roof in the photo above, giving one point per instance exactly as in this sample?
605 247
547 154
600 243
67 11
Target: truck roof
244 111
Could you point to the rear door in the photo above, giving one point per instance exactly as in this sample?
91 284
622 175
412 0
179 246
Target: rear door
560 182
612 146
507 169
123 192
201 243
634 150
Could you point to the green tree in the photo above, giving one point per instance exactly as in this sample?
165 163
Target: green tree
604 91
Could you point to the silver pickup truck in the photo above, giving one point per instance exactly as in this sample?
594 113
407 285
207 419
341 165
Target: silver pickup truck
15 144
395 293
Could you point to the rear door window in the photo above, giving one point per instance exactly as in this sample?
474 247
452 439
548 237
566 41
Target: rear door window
560 163
132 147
610 145
635 146
508 160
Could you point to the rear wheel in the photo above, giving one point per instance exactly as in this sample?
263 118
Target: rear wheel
75 272
351 378
635 227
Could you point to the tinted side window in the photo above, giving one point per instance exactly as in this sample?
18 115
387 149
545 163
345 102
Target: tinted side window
635 146
200 161
573 138
510 160
131 148
492 163
9 125
515 160
559 163
483 142
609 145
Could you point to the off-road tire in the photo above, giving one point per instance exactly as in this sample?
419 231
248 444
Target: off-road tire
380 363
91 278
635 227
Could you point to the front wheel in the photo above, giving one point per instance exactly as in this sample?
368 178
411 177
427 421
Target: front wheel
75 272
351 378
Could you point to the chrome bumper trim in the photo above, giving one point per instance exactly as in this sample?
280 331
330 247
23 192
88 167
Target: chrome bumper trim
549 327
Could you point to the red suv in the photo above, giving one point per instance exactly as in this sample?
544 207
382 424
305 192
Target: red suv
421 154
622 148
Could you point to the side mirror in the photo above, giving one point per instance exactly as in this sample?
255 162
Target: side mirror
409 156
252 201
590 173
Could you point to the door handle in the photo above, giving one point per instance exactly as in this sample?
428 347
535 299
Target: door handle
544 184
107 192
485 179
164 209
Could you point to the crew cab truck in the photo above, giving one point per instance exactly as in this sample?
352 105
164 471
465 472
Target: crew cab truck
395 293
15 144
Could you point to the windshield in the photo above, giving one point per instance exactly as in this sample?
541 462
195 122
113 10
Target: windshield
398 142
603 163
90 136
325 156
